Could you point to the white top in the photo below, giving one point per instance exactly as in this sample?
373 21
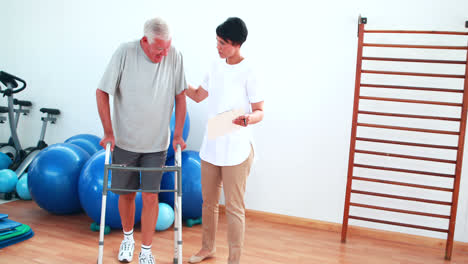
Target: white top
144 94
230 87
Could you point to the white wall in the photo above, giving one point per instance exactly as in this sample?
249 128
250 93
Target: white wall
305 50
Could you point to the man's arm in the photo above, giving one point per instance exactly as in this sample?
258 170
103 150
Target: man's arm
102 99
180 112
196 94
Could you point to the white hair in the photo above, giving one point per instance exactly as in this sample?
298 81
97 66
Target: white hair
156 28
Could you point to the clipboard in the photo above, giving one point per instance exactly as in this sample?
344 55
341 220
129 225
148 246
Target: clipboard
221 124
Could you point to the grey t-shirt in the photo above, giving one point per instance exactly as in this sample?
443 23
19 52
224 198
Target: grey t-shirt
144 94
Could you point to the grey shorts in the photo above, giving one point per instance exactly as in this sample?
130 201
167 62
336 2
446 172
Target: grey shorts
150 180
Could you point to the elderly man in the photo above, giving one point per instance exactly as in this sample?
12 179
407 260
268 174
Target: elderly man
144 77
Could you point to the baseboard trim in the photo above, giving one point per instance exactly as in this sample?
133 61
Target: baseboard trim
353 231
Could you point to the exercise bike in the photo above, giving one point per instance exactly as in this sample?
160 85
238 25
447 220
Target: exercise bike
24 157
9 147
13 150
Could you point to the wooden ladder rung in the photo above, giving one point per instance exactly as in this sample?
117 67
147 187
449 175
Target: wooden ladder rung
417 32
409 101
375 140
430 89
404 170
410 116
399 210
403 156
414 60
357 178
414 46
410 129
392 196
398 224
415 74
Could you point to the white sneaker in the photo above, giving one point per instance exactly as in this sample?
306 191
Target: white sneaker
126 250
146 259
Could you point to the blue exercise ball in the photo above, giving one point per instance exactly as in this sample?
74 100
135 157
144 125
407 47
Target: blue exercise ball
90 193
191 185
53 178
88 142
8 180
165 217
5 161
185 132
22 187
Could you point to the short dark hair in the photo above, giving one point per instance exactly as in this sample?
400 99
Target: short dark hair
233 29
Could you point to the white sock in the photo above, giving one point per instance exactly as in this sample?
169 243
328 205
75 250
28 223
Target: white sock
145 250
128 235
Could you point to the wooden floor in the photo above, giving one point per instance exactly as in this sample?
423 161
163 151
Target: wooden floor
68 239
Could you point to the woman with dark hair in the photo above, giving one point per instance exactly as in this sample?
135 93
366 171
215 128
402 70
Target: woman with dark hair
231 83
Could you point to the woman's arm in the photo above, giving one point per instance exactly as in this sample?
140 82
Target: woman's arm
252 118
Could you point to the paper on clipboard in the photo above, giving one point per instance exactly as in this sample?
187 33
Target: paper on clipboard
221 124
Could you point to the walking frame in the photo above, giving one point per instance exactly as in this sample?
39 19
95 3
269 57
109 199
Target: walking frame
177 199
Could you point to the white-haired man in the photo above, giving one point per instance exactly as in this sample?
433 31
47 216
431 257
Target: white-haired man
144 77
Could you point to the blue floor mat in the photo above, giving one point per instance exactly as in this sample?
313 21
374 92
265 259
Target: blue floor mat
2 216
17 239
6 232
7 224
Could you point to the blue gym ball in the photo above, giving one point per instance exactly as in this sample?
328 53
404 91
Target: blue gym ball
185 132
165 217
88 142
53 178
5 161
8 180
22 187
191 185
90 193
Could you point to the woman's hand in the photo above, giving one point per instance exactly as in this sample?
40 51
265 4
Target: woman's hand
243 120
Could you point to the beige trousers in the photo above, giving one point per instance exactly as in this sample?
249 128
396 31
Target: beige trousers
233 179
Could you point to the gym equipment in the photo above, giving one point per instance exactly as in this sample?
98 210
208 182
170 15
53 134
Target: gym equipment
177 193
90 193
17 231
165 217
21 233
11 83
369 170
22 188
192 222
53 178
8 180
88 142
3 110
7 224
191 185
23 157
185 132
9 147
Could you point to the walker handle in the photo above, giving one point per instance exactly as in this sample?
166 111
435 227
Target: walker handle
178 156
108 151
